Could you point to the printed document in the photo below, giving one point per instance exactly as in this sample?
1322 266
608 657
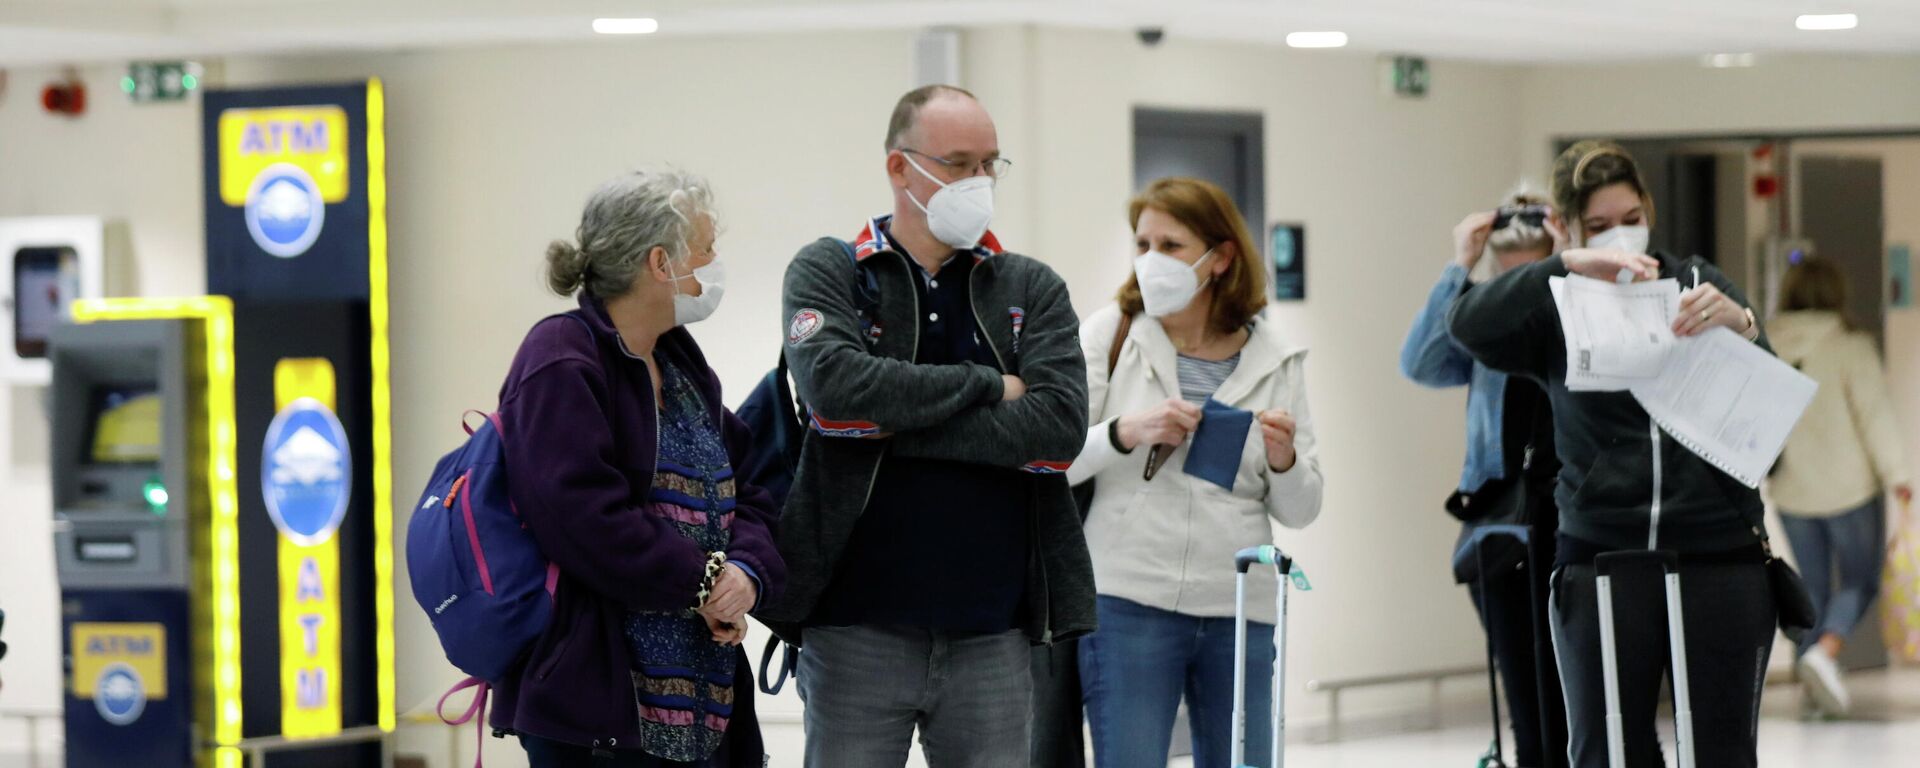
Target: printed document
1728 401
1616 334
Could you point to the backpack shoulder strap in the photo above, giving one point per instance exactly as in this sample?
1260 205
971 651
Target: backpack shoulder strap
866 293
1119 338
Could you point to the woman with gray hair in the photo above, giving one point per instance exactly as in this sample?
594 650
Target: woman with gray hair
620 459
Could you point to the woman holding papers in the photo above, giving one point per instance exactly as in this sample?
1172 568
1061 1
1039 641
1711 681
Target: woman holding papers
1626 485
1508 476
1829 480
1201 439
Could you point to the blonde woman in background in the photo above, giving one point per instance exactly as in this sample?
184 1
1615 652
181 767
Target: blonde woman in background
1508 474
1828 484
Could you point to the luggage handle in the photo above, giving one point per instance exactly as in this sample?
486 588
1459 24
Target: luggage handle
1605 565
1283 564
1265 555
1608 563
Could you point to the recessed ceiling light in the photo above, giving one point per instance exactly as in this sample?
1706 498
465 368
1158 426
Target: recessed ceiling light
1727 60
626 26
1827 22
1317 39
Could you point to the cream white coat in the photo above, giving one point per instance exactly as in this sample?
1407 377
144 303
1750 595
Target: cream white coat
1169 543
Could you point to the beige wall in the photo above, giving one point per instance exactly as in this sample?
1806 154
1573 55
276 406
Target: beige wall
1379 182
1783 93
493 150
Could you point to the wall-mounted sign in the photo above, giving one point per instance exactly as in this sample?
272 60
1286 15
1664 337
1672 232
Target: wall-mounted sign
1287 251
1407 76
120 666
160 80
287 196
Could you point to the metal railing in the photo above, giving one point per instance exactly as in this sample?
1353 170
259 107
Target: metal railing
33 716
1334 687
259 747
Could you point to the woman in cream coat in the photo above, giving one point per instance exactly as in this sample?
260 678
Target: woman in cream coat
1163 547
1844 452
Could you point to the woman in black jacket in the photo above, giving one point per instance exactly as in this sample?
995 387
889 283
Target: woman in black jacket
1626 485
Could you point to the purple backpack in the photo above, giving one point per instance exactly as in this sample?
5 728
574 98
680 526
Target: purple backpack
476 569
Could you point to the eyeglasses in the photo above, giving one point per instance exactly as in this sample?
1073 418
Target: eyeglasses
993 168
1530 215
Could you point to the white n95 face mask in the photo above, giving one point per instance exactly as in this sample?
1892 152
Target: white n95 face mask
1630 238
959 213
1167 284
688 309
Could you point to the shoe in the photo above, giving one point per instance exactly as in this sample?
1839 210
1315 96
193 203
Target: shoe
1822 677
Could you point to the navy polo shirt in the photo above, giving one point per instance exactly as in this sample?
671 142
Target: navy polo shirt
942 545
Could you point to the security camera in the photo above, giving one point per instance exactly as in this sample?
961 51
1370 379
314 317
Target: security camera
1151 36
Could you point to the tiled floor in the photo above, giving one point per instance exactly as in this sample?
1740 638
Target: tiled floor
1885 733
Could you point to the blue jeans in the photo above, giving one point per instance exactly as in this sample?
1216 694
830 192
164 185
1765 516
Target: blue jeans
867 689
1840 558
1134 671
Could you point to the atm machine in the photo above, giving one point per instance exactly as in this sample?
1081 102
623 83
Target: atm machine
222 465
129 465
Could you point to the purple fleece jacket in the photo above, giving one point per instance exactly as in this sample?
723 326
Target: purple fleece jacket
582 442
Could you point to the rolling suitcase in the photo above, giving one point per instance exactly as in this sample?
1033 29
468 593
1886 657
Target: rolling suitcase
1604 567
1495 756
1283 565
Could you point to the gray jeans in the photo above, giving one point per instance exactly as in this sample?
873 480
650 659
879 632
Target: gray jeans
867 688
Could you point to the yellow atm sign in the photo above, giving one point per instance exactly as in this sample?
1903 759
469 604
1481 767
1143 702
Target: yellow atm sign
141 647
313 138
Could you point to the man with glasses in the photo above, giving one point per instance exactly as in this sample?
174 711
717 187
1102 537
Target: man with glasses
930 535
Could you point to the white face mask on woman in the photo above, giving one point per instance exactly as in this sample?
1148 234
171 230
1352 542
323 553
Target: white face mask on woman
1167 284
1632 238
689 309
959 213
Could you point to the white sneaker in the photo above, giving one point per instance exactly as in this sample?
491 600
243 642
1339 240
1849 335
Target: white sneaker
1822 677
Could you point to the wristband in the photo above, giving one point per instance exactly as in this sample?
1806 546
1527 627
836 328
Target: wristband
1113 437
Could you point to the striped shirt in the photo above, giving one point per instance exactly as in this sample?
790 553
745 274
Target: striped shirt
1199 379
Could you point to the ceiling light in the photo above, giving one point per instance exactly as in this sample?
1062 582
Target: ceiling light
1727 60
626 26
1317 40
1826 22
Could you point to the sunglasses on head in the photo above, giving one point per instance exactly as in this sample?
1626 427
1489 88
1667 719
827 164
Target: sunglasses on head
1530 215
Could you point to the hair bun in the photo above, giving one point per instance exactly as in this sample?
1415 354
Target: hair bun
566 268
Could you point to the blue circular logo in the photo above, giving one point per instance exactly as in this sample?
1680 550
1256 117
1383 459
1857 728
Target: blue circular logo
284 210
119 695
306 472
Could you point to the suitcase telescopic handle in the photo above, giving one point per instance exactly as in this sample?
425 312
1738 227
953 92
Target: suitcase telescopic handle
1609 563
1267 554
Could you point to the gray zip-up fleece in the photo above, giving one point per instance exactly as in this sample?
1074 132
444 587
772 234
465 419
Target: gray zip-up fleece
865 398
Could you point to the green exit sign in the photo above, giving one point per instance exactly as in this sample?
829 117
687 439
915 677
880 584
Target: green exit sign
160 80
1410 77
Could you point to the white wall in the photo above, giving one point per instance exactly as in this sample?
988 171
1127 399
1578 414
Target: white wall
1379 183
1785 93
493 150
